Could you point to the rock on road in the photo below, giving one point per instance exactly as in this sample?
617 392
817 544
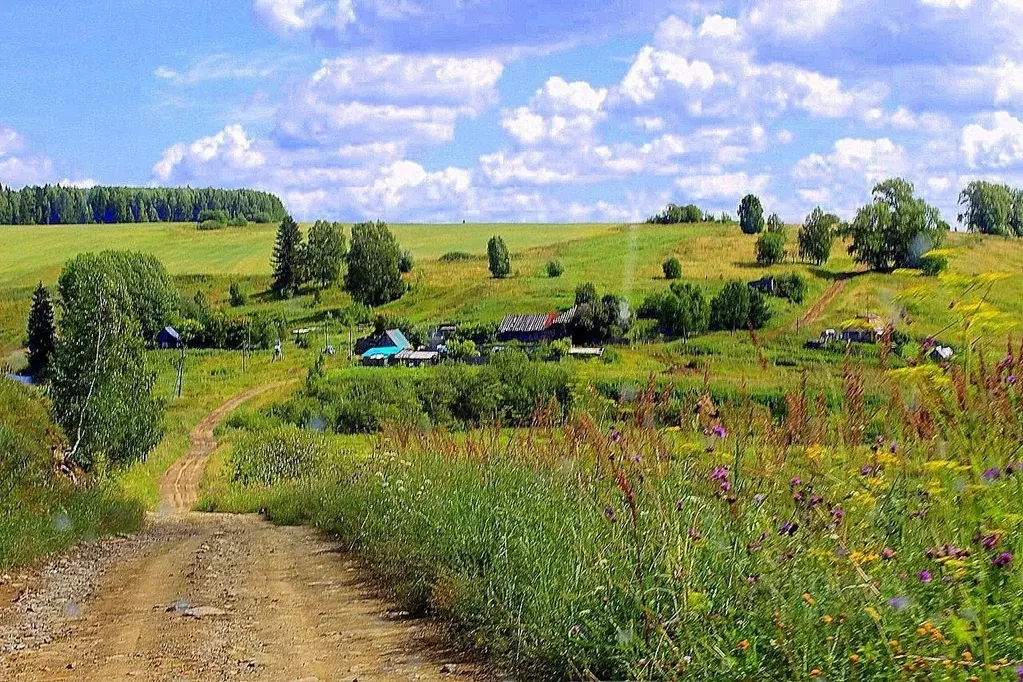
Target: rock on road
212 597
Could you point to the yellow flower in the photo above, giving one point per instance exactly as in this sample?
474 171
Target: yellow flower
854 658
743 645
827 620
808 598
967 656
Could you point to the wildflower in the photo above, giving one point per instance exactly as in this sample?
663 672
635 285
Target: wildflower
719 431
991 474
637 459
888 553
854 658
795 481
788 528
827 620
693 534
898 603
743 645
838 513
1003 560
753 579
1011 379
816 672
893 447
990 541
1005 363
616 437
929 343
967 656
719 474
866 470
924 576
610 514
725 486
760 497
808 598
815 500
1010 469
1019 674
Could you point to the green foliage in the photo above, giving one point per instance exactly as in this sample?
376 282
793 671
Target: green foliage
600 321
56 204
672 268
209 225
406 262
791 287
737 306
42 333
287 257
325 253
932 265
987 207
775 224
373 276
498 258
684 311
555 268
816 236
101 382
751 215
770 248
279 454
455 257
585 293
462 350
237 296
674 215
895 229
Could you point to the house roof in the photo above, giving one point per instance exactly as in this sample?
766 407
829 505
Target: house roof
169 331
397 338
382 352
423 355
535 323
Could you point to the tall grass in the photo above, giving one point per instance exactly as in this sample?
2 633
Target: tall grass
880 543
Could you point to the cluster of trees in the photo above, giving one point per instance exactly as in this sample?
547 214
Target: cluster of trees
101 383
673 214
60 205
218 219
203 326
599 318
683 310
297 261
992 208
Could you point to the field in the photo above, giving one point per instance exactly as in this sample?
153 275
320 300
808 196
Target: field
733 507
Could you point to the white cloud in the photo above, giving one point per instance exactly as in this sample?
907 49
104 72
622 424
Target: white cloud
799 19
997 146
653 70
871 160
904 119
17 169
560 112
719 27
948 4
294 16
218 67
407 186
228 153
723 185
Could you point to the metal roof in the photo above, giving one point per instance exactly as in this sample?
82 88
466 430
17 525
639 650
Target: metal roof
397 338
408 354
526 323
382 352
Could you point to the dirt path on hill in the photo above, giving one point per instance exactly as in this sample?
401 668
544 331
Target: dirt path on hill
212 597
814 312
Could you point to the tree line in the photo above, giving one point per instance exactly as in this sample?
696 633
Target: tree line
992 208
60 205
673 214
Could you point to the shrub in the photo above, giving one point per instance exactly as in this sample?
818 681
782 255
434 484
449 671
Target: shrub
770 248
498 257
555 268
455 257
210 225
238 297
932 265
406 262
585 293
672 268
791 287
279 454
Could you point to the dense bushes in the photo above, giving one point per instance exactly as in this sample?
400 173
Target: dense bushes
276 455
674 215
770 248
509 389
791 287
672 268
738 306
933 264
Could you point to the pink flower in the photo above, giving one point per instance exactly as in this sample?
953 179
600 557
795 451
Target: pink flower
924 576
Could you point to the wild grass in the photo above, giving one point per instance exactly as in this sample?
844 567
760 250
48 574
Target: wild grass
880 542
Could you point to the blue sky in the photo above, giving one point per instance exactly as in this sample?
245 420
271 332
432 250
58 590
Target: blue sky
529 110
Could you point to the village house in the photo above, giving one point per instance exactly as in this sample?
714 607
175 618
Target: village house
382 348
541 328
864 329
168 337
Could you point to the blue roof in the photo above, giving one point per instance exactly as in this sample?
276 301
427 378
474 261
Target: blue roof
169 331
384 351
397 338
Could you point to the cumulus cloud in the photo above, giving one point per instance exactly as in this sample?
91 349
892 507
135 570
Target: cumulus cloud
296 16
723 185
871 160
18 168
794 18
998 144
229 153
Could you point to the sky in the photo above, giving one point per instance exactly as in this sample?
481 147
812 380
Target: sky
516 110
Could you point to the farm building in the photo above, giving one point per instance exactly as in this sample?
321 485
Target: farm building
441 335
765 285
391 343
864 329
585 353
384 339
536 328
168 337
417 358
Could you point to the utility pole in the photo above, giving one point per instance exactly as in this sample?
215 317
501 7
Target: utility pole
245 348
181 368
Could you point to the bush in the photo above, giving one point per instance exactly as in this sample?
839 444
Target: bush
213 216
737 306
240 221
932 265
672 268
262 218
238 297
406 262
791 287
210 225
770 248
555 268
455 257
280 454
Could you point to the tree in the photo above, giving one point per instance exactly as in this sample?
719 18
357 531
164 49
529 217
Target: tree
101 383
816 236
895 229
373 276
770 248
674 215
672 268
987 207
684 311
1016 214
775 224
325 253
287 259
585 293
42 335
751 215
237 295
601 320
497 254
737 306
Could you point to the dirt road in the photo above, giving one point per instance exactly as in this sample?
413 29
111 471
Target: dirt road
213 597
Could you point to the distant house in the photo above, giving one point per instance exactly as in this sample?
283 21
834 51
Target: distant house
441 335
941 354
765 285
384 339
417 358
585 353
391 343
537 328
864 329
168 337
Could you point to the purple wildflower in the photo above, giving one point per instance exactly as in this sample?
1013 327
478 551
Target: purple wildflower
815 500
719 431
753 579
760 497
616 437
610 514
1019 674
991 474
693 534
929 343
1011 379
795 481
866 470
838 513
898 603
924 576
1010 469
990 541
788 528
637 459
719 474
1006 362
1003 560
893 447
888 553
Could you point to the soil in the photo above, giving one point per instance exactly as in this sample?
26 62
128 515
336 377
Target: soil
212 597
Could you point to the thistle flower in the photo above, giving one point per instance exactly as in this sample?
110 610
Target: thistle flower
1011 379
838 514
991 474
924 576
888 553
1003 560
795 481
719 431
719 474
788 528
990 541
898 603
616 436
929 343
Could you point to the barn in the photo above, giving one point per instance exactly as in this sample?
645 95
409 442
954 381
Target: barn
536 328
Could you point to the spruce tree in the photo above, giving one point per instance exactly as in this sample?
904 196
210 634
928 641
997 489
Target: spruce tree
41 333
500 260
287 251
